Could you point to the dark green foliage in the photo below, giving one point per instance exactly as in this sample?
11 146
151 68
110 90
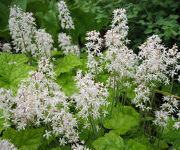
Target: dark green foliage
145 17
4 16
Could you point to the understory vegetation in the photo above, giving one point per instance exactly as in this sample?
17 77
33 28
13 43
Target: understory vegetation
89 75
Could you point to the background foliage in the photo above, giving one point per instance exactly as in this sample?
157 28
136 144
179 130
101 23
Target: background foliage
145 17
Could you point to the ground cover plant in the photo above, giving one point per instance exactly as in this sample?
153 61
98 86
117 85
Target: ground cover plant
80 83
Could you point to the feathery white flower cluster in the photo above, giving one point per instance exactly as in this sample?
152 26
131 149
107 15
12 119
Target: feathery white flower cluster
153 66
22 28
168 109
113 39
122 60
172 60
119 23
93 49
26 37
117 35
91 97
6 145
142 99
64 16
94 43
177 124
6 47
157 65
6 103
44 42
39 100
66 44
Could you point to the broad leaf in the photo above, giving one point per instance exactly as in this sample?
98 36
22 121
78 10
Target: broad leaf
67 63
68 84
133 145
18 58
13 69
110 141
122 120
28 139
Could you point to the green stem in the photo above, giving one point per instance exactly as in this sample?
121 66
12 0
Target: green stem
165 93
160 134
93 126
114 96
172 81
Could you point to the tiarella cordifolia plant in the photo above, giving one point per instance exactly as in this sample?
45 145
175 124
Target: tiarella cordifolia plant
94 46
119 23
132 78
157 65
6 103
6 145
168 109
66 45
90 99
26 37
6 47
64 16
153 66
22 29
38 101
44 42
121 60
67 23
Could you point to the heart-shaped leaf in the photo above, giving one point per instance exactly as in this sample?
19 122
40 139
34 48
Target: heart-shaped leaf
122 120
